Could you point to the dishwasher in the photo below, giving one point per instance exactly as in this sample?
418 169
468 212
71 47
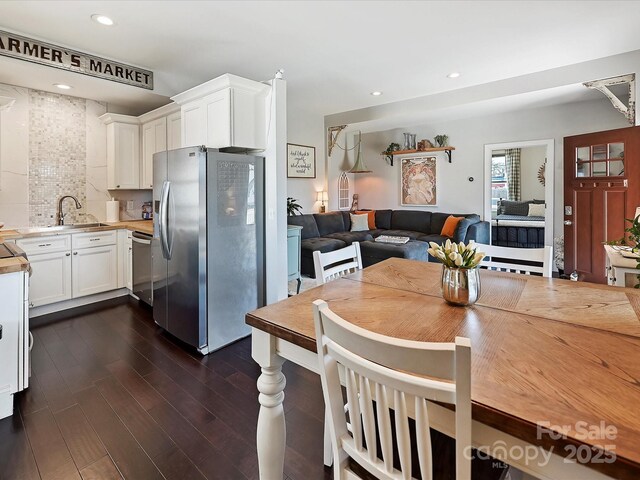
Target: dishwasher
142 267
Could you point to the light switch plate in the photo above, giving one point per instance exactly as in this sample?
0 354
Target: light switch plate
129 204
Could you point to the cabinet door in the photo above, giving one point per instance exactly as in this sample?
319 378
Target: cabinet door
123 156
174 131
194 124
128 266
50 280
154 140
95 270
218 114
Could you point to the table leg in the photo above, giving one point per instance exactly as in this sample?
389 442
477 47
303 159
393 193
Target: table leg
271 433
299 283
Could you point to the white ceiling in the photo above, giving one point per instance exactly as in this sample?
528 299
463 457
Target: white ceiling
333 53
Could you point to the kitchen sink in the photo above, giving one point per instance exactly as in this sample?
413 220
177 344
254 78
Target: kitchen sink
75 226
61 228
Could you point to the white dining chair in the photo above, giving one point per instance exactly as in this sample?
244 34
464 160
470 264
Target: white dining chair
538 260
332 265
383 374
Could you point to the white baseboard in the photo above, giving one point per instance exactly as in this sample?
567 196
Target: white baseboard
6 402
76 302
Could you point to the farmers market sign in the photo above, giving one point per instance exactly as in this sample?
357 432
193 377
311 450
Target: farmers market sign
23 48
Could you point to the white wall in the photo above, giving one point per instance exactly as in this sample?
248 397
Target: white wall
306 129
456 194
530 160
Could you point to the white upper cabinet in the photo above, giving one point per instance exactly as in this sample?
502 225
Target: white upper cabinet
132 141
228 111
174 131
123 152
154 140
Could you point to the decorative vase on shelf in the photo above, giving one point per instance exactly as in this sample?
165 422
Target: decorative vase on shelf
412 141
460 286
407 141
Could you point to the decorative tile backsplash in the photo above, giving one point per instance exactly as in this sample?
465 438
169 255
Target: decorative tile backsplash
57 156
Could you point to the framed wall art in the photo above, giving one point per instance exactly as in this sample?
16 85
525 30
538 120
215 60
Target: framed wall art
418 181
301 161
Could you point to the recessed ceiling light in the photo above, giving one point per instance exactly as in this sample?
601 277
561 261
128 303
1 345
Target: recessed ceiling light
453 75
62 86
102 19
376 93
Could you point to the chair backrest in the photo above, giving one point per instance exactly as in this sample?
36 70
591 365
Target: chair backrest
538 260
331 265
392 373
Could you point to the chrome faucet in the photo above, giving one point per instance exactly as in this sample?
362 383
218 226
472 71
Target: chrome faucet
59 215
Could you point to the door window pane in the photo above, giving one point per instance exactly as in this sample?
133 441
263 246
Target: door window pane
583 169
599 152
616 150
616 168
599 169
583 153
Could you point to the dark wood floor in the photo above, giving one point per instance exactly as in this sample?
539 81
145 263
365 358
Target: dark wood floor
113 397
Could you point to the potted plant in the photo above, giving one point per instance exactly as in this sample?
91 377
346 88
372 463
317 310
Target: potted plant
441 140
633 242
388 153
293 208
460 276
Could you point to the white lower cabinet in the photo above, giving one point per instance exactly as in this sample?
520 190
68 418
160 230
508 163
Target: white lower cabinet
50 280
94 270
77 265
128 262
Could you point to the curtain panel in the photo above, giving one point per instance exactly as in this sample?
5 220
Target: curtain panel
512 163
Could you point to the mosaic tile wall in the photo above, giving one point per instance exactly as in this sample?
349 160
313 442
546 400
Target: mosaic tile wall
57 156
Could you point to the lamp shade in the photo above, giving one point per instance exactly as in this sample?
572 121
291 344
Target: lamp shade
325 197
322 196
359 166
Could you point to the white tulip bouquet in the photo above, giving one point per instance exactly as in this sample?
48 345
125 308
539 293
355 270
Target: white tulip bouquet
457 255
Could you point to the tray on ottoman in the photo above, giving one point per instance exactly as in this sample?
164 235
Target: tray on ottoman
374 252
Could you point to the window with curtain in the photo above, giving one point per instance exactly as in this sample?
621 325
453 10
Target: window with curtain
512 169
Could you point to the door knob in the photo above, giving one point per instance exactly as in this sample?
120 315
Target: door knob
568 222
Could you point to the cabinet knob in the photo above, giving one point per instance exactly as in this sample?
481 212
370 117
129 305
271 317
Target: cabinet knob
117 186
31 304
68 254
75 253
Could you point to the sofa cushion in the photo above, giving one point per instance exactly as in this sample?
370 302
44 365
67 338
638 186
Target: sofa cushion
321 244
437 221
359 223
350 237
439 239
414 220
346 218
374 252
330 222
383 219
463 225
450 225
403 233
308 224
371 217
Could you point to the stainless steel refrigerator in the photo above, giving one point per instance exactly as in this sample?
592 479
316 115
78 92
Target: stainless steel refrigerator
208 244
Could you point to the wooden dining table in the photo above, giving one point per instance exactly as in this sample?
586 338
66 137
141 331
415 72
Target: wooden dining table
555 363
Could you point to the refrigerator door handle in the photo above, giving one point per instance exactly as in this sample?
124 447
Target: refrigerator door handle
163 220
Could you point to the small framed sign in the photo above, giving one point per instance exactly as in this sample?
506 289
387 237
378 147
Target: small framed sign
301 161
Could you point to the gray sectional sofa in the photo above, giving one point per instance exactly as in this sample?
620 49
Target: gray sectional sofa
330 231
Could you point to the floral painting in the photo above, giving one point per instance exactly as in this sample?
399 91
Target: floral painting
418 181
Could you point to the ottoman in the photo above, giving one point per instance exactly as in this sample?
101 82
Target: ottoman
374 252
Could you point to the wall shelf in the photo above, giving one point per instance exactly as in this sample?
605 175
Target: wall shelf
446 150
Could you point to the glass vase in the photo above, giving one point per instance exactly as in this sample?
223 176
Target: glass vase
460 286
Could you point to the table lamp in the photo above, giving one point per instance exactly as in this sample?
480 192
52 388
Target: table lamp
322 197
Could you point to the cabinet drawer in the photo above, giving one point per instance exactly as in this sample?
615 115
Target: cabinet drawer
94 239
50 244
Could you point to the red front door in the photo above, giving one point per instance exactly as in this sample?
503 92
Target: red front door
601 190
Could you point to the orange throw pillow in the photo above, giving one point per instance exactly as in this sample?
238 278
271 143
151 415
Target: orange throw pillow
371 217
450 225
